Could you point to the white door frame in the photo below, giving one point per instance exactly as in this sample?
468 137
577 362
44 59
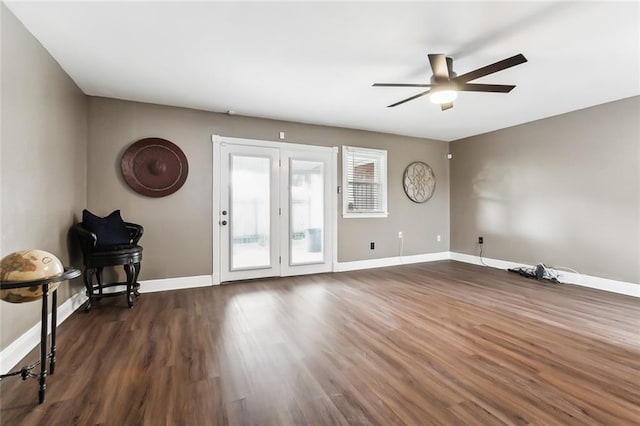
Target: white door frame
332 201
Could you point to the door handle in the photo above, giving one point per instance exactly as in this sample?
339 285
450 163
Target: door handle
224 212
223 223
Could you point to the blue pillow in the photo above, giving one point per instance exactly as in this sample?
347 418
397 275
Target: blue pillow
110 230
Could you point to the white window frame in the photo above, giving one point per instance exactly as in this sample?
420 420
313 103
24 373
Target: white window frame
345 184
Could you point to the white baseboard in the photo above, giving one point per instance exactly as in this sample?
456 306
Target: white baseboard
19 348
620 287
493 263
390 261
180 283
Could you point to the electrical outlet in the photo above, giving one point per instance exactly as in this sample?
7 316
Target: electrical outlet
480 240
400 234
438 238
372 245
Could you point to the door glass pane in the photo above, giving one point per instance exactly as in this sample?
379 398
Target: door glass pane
250 212
307 211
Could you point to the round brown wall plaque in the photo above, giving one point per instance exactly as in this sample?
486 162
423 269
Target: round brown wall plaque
419 182
154 167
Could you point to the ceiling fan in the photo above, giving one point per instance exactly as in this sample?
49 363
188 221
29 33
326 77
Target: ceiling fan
445 83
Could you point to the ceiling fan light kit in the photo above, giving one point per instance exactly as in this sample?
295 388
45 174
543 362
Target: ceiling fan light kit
445 83
443 96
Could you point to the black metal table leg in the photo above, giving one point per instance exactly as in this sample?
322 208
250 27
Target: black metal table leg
43 344
54 326
47 352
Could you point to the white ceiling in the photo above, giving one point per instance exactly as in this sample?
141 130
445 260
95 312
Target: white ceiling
315 62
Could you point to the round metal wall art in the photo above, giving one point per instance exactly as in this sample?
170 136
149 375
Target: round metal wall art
154 167
419 182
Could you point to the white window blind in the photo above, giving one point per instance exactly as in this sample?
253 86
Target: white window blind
364 175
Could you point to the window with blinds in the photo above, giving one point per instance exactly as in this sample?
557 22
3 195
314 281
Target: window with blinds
364 182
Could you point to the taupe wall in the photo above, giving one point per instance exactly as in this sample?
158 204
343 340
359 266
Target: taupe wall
43 159
178 228
564 191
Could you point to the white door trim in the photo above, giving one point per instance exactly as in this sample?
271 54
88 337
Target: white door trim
215 210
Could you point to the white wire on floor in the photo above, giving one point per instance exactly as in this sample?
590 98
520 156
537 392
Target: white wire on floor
481 259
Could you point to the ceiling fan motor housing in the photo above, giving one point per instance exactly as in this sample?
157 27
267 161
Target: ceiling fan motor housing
452 73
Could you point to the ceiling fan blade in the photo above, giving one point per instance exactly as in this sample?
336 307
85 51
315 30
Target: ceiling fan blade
409 99
493 68
495 88
400 85
439 66
445 107
450 71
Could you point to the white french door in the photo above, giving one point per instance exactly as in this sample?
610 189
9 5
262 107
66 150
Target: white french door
249 223
307 203
275 210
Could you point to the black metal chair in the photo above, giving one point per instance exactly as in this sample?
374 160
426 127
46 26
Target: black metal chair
96 257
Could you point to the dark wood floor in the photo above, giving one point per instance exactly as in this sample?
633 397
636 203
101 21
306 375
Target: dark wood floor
437 343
